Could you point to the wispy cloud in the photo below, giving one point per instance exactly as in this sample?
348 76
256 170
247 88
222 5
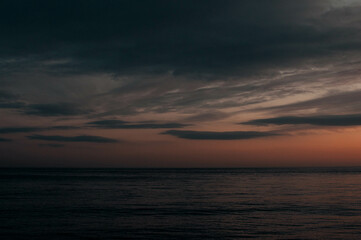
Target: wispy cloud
348 101
208 116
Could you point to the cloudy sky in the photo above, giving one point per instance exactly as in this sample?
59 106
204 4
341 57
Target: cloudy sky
171 83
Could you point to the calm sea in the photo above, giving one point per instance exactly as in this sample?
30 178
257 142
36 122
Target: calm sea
287 203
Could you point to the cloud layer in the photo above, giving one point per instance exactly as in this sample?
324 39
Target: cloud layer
5 140
119 124
7 130
82 138
126 58
323 120
52 145
165 67
203 135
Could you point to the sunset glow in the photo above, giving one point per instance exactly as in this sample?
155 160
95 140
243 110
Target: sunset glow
180 84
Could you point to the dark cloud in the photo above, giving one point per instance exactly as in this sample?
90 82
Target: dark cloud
5 140
6 130
15 105
52 145
82 138
6 96
119 124
9 100
58 109
63 128
19 129
185 37
325 120
234 135
45 109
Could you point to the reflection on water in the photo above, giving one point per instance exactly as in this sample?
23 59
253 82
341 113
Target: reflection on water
180 203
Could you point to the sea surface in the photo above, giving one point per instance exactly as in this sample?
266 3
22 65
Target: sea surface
273 203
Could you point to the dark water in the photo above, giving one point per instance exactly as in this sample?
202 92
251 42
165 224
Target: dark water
180 204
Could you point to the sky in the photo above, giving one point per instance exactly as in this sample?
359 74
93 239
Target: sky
171 83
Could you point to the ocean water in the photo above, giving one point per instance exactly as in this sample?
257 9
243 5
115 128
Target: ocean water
285 203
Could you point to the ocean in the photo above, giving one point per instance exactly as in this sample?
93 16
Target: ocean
259 203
